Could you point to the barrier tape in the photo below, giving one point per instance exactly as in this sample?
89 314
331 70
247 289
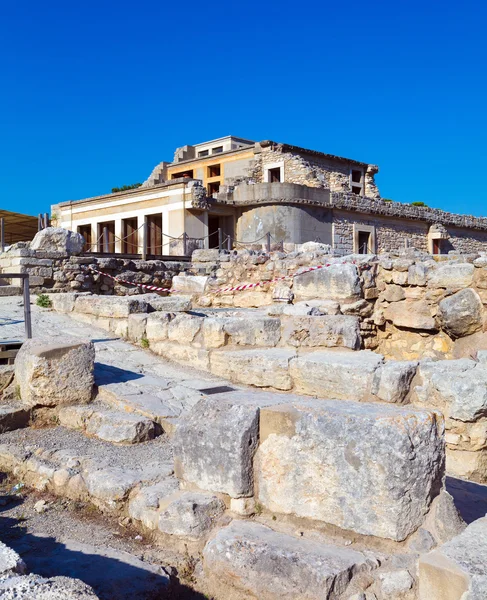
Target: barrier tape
236 288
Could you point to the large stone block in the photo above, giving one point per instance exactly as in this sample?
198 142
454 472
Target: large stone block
461 314
410 314
157 325
51 373
326 331
116 307
171 304
56 239
451 276
205 255
338 281
184 328
261 368
339 375
252 330
458 569
368 468
190 284
392 381
261 563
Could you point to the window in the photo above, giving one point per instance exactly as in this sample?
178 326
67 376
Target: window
217 150
213 188
182 174
214 171
357 181
202 153
363 239
275 175
363 242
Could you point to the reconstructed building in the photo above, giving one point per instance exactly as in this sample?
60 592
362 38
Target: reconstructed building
239 189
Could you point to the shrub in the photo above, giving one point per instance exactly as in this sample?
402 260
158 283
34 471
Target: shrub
144 342
419 204
387 200
124 188
44 301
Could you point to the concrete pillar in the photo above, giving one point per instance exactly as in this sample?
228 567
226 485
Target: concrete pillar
141 233
118 236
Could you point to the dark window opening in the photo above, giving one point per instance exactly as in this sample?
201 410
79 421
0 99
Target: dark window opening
202 153
356 190
437 246
356 176
214 171
182 174
85 231
213 188
217 150
275 175
363 242
130 240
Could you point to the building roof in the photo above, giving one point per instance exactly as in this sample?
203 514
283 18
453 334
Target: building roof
18 227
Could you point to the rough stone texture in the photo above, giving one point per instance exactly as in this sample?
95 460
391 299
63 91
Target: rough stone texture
205 255
171 303
10 561
261 368
35 587
267 565
334 282
326 331
114 307
13 417
145 502
136 327
393 379
412 315
183 328
191 284
56 239
254 331
451 276
340 375
461 314
157 326
54 373
458 569
369 468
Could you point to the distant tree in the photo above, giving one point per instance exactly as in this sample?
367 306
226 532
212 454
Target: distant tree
124 188
387 200
419 204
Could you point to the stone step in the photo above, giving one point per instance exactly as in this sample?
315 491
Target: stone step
10 290
253 561
69 464
13 416
107 424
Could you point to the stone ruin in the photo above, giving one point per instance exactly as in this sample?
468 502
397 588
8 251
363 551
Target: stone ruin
316 464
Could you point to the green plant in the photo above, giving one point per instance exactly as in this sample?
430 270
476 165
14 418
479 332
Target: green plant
258 509
44 301
124 188
387 200
17 393
419 204
144 342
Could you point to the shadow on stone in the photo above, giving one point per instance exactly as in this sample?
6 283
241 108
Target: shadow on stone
105 374
470 498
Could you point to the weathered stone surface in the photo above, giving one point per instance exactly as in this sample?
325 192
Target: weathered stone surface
261 563
458 569
184 328
214 335
394 584
10 561
369 468
457 387
190 284
189 514
261 368
136 326
252 331
451 276
35 587
392 380
410 314
56 239
205 255
64 303
338 281
171 304
117 307
55 373
393 293
326 331
144 502
157 325
461 314
340 375
417 274
13 417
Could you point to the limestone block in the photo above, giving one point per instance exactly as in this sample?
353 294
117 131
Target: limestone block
190 284
157 325
144 502
418 274
451 276
394 584
214 335
188 514
10 561
198 358
336 282
13 416
368 468
184 328
64 303
51 373
35 587
252 298
254 331
261 563
136 326
458 569
56 239
261 368
114 307
205 255
327 331
171 304
461 314
410 314
393 293
360 308
392 380
338 375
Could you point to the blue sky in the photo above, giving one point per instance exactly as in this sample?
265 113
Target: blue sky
94 94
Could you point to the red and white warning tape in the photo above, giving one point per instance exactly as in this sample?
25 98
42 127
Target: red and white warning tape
236 288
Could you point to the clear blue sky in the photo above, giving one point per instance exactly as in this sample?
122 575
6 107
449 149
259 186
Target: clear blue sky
94 94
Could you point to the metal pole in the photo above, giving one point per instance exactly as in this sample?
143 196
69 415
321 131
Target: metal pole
185 244
220 238
105 240
27 319
2 233
268 241
144 240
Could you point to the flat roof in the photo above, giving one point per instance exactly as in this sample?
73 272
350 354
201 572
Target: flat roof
18 227
221 139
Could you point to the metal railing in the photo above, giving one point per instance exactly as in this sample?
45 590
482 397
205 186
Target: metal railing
26 297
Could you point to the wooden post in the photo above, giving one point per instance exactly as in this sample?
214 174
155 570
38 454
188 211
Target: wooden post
185 244
27 317
2 233
220 238
144 240
106 248
268 241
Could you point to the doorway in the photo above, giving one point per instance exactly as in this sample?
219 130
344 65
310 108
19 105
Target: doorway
130 243
154 234
85 231
106 237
